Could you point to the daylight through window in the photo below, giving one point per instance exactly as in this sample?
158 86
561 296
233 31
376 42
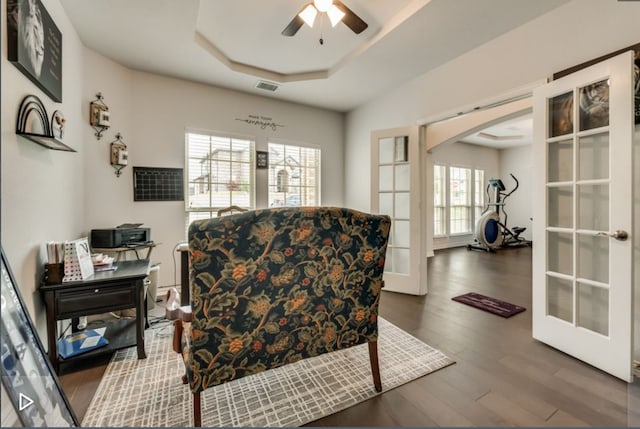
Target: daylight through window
458 199
294 175
220 172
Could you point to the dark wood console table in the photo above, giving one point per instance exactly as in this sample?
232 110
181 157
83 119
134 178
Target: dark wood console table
101 293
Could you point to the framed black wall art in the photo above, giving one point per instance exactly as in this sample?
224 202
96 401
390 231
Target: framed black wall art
262 159
34 45
27 375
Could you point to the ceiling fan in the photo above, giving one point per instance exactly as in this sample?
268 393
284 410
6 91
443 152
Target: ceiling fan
335 10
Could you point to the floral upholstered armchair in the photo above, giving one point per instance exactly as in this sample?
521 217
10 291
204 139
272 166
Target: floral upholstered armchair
274 286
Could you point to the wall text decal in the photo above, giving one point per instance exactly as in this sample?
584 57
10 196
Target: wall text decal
263 122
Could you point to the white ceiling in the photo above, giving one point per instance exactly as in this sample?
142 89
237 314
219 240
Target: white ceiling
235 43
507 134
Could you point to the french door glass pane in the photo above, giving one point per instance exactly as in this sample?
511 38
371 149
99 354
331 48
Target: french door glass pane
594 105
386 150
402 205
593 257
560 298
388 266
385 182
401 261
402 177
561 115
560 206
593 207
402 236
385 203
593 308
560 252
560 167
594 157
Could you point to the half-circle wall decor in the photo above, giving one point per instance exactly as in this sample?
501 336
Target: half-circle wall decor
33 124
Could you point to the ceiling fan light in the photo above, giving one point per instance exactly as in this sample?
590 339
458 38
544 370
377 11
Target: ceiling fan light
335 15
323 5
308 15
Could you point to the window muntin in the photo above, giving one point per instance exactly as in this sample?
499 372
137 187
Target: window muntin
220 173
478 194
439 200
294 175
458 199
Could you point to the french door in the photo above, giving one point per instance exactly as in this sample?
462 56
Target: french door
395 191
582 217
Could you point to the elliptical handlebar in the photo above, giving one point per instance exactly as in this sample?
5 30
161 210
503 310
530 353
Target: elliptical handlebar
514 189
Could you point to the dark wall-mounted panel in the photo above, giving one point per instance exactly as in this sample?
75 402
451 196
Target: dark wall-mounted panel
157 184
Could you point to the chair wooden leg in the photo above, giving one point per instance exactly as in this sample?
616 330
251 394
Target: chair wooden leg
375 367
197 416
177 336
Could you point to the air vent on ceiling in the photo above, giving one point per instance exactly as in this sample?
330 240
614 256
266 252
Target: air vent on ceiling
267 86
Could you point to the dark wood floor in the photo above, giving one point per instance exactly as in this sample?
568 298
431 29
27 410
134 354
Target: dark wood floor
502 377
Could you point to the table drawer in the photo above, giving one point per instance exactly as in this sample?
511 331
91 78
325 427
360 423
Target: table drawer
98 299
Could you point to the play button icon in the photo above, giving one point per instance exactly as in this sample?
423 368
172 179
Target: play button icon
25 401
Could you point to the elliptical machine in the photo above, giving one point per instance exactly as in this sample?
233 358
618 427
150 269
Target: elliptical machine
491 232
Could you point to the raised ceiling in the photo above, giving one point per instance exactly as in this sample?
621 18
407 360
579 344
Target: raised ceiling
236 43
507 134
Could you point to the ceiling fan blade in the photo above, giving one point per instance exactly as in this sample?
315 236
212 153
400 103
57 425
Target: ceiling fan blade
292 28
351 20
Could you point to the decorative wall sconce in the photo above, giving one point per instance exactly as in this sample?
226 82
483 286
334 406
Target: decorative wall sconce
119 154
33 124
99 115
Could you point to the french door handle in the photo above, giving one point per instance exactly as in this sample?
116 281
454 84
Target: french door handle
618 234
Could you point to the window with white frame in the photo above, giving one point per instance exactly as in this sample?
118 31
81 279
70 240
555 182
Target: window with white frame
458 199
479 192
294 175
220 173
439 200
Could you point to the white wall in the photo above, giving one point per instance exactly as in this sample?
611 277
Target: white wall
461 154
560 39
518 161
152 113
42 189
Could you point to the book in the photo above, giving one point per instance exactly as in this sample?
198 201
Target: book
81 342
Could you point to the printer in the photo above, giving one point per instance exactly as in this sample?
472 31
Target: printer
123 235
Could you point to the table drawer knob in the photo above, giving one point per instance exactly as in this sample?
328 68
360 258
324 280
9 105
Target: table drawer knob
96 290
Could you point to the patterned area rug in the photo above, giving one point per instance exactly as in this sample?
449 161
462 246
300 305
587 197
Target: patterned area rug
149 392
492 305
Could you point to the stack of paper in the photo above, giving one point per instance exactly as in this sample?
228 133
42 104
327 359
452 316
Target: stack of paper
102 262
